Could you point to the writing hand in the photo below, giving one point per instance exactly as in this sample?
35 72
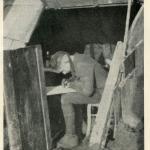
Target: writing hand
65 83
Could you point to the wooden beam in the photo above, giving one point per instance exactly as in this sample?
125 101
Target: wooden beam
106 100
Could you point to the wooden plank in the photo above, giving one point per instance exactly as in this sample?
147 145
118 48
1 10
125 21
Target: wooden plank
21 21
28 106
14 134
106 100
62 4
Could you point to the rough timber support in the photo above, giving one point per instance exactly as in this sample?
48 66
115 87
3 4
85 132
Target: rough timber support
106 101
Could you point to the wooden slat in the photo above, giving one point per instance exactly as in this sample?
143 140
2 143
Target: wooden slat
43 97
106 100
25 99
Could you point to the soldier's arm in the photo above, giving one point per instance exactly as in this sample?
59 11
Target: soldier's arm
85 84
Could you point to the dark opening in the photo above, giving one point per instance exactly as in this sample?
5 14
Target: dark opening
70 30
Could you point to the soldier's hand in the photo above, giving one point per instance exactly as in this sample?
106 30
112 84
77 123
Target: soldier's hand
65 83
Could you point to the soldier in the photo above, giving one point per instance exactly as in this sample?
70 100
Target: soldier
88 79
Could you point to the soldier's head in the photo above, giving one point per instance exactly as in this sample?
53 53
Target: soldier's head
60 61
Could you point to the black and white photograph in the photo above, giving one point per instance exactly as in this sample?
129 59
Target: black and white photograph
73 75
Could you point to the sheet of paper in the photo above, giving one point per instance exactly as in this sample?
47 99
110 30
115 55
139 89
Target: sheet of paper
59 90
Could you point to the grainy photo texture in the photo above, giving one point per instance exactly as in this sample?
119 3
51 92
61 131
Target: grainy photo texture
73 74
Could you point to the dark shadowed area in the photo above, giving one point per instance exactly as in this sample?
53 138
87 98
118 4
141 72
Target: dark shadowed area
71 30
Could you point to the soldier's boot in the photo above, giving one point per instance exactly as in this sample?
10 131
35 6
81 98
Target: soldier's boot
70 139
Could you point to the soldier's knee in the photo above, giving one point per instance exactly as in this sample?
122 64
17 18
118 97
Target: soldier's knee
65 98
